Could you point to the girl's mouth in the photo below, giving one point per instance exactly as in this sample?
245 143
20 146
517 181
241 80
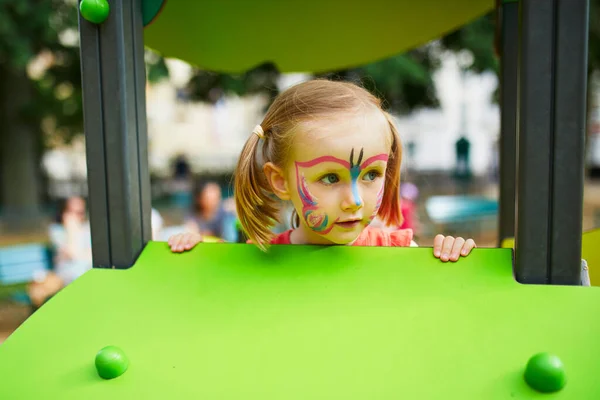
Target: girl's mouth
348 224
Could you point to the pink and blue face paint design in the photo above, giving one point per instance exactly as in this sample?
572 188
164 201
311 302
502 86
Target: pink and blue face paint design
316 221
319 221
378 204
355 170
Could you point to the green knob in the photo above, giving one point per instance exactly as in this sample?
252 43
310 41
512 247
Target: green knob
545 373
111 362
95 11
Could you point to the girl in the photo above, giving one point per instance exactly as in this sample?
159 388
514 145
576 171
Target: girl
334 153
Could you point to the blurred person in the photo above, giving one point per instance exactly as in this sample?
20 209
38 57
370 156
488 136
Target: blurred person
157 223
182 182
71 243
210 216
409 193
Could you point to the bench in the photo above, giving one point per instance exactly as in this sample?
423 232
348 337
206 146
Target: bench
461 213
20 263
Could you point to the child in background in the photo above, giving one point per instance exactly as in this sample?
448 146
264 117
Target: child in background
334 153
409 194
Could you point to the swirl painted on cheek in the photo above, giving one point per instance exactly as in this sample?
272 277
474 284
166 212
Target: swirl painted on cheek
316 220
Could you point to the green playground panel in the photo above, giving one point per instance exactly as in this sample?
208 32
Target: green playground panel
229 322
300 36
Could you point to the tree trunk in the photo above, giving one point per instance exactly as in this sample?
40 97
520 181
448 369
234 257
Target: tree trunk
19 156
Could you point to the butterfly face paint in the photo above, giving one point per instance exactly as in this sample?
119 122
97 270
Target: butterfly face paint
315 215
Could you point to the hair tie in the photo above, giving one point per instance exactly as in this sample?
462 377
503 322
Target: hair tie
258 131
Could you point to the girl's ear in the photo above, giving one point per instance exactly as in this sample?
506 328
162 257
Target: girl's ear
277 181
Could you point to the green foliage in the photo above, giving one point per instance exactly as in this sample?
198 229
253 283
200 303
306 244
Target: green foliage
156 67
404 82
476 37
209 86
31 29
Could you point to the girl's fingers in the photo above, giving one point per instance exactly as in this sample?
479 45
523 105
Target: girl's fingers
467 247
437 245
178 246
447 248
190 241
456 249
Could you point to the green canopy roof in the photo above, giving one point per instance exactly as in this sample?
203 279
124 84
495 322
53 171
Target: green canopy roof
300 36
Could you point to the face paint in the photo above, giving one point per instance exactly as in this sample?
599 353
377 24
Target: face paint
354 174
319 221
378 204
356 169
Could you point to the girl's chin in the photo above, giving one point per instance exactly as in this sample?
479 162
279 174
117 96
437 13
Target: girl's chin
342 238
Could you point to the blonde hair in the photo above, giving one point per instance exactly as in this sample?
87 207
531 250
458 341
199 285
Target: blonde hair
257 207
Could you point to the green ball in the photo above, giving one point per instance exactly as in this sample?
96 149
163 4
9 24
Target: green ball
111 362
95 11
545 373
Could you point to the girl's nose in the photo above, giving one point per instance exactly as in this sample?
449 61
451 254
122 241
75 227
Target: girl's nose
352 199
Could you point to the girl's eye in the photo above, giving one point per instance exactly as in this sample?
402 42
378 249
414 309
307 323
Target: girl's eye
371 175
330 179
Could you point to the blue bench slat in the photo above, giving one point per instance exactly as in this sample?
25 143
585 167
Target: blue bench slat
28 266
19 264
449 209
17 277
21 254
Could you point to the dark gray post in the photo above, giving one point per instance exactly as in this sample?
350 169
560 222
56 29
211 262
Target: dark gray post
509 50
113 74
570 90
535 126
550 127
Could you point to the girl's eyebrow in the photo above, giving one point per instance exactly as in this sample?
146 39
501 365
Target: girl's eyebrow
323 159
371 160
344 163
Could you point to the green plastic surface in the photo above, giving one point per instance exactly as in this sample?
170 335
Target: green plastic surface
302 35
226 321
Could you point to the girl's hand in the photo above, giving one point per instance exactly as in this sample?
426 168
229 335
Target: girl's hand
447 248
184 241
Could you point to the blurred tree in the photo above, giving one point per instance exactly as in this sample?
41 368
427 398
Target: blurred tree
40 94
156 67
477 37
209 86
404 82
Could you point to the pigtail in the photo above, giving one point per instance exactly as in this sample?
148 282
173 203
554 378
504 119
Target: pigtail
390 211
256 210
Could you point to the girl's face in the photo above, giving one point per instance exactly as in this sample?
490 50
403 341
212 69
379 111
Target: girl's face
336 176
76 207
